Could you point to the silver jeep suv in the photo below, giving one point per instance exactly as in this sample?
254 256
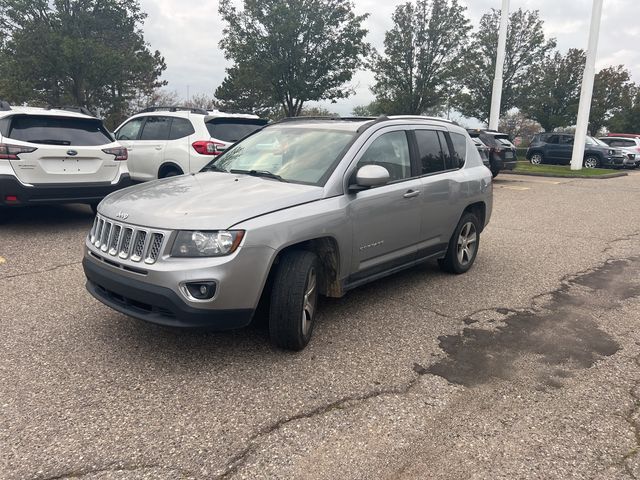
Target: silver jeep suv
301 208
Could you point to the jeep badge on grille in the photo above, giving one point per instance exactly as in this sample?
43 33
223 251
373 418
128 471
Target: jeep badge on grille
122 215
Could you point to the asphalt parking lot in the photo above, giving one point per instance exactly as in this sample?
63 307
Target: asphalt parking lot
526 367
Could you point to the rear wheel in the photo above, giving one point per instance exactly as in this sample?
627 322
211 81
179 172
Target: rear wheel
170 172
536 159
591 162
463 245
294 298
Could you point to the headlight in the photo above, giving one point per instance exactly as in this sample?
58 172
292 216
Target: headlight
612 152
206 244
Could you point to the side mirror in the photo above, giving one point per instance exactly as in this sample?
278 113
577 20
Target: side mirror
371 176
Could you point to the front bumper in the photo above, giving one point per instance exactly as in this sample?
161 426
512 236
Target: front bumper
155 303
615 161
56 193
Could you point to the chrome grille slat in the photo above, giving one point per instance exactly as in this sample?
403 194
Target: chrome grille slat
106 232
115 240
154 248
138 246
126 242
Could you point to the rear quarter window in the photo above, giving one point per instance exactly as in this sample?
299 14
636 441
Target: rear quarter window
233 129
180 128
48 130
459 149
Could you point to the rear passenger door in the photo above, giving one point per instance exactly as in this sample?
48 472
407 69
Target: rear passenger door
149 149
441 188
177 150
385 219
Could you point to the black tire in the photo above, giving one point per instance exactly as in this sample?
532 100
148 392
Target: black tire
591 161
453 262
170 173
290 321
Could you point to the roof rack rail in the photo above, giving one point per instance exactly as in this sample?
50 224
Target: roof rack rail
70 108
4 106
175 108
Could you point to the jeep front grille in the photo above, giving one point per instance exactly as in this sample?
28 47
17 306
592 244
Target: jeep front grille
126 241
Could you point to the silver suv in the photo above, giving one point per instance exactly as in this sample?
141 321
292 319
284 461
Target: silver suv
300 208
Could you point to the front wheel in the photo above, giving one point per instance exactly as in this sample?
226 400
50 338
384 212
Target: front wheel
463 245
591 162
294 298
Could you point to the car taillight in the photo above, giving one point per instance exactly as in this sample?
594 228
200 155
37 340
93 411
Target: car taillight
11 152
207 147
119 152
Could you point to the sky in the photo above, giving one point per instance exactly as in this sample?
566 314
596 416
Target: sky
187 33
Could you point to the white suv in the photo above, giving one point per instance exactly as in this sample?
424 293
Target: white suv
57 155
167 141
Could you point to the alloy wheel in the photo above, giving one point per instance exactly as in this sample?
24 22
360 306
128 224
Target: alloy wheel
309 303
467 243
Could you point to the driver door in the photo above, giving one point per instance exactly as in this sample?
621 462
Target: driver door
386 219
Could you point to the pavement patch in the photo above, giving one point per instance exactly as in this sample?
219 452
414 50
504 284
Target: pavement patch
562 336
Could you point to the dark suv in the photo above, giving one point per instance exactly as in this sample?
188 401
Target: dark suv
558 148
502 153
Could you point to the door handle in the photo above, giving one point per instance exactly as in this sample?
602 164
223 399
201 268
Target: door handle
158 147
411 193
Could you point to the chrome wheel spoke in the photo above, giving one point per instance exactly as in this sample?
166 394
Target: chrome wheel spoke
471 238
308 304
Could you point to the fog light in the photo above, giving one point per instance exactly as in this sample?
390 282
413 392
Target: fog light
201 290
10 198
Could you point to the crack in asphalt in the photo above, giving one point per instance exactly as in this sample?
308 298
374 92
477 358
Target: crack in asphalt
113 467
25 274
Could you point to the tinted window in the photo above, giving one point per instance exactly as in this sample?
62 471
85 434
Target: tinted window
460 149
59 130
180 128
430 151
552 139
566 139
156 128
391 151
619 142
130 130
4 126
233 129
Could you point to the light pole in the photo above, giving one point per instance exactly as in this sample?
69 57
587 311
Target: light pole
587 88
496 96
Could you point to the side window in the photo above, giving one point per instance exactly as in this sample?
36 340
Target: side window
4 126
180 128
430 151
566 140
459 148
449 163
555 139
130 130
391 151
156 128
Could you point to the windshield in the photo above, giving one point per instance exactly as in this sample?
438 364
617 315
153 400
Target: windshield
295 154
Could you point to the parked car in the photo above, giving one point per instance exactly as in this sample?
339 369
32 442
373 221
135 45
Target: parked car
300 208
168 141
502 153
483 150
628 144
57 155
558 148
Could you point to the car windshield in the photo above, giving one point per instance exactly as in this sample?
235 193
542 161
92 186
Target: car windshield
597 141
504 140
292 154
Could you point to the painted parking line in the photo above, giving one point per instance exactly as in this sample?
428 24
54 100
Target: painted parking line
512 187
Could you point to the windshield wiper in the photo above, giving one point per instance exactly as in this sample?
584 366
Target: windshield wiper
259 173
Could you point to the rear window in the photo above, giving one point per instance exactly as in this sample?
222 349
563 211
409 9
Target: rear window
81 132
233 129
